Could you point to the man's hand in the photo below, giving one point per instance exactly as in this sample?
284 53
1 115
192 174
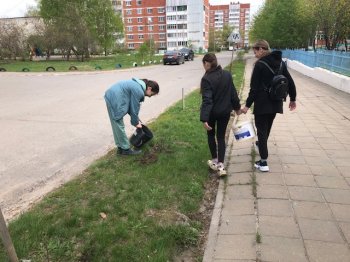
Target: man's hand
292 105
206 126
139 125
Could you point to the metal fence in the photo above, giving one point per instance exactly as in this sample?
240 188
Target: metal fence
335 61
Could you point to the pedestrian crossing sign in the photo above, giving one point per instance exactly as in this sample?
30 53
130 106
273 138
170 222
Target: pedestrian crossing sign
234 37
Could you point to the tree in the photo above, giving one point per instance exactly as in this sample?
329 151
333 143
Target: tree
218 38
84 23
226 31
282 23
333 19
293 24
104 23
32 11
12 40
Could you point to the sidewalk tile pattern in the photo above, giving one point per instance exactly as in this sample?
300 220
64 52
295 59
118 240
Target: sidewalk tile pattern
301 208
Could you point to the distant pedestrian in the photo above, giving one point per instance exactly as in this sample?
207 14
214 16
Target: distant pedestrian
123 98
265 108
219 98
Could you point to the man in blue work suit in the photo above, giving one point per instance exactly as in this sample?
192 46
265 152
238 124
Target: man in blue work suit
124 97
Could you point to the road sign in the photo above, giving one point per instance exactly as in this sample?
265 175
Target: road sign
234 37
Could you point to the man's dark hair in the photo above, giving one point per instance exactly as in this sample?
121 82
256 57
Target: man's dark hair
152 84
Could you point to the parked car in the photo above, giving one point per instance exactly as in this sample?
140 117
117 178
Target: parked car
171 57
189 54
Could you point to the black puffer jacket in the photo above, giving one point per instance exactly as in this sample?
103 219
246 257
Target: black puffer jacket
219 95
261 77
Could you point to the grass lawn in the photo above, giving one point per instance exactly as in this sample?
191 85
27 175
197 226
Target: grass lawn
143 208
92 64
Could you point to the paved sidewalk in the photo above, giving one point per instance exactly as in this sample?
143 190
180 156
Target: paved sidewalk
301 208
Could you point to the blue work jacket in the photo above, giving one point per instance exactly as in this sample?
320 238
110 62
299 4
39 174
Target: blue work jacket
124 97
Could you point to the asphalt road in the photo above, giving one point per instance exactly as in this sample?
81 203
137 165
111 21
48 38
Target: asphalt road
53 125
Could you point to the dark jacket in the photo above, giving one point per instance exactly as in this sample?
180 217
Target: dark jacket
261 77
219 95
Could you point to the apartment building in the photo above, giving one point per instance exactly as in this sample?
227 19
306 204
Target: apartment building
236 15
170 24
187 24
218 16
117 6
144 20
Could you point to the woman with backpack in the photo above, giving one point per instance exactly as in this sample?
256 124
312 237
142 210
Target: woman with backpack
265 106
219 98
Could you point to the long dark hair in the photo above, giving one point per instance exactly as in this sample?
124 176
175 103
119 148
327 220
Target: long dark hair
211 59
152 84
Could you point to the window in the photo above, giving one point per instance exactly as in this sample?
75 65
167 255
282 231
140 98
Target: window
161 36
139 20
182 8
171 17
128 11
171 26
161 27
131 46
129 20
161 18
139 11
140 28
149 10
129 28
161 10
140 36
150 28
182 43
139 2
171 8
130 37
128 3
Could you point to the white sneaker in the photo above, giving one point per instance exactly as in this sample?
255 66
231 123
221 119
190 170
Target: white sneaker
262 166
221 170
213 165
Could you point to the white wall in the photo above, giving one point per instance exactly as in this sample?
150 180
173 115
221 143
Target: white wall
335 80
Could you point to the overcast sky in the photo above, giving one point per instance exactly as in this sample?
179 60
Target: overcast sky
17 8
14 8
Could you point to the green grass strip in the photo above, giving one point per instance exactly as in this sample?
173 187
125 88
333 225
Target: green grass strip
118 61
143 208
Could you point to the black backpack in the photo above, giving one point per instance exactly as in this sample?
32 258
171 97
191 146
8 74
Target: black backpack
278 87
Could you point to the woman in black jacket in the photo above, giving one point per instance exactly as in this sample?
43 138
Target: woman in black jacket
265 108
219 98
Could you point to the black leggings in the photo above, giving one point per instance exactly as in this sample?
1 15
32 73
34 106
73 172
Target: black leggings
263 125
218 151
